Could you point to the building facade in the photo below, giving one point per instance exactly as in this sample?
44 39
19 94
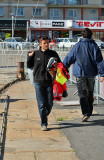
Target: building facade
18 13
21 13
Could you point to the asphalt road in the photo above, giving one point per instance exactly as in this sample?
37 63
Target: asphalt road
86 138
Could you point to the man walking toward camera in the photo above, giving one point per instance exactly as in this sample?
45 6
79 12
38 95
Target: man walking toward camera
88 62
42 79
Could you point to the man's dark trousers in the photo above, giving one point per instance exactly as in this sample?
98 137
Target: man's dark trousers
85 91
44 96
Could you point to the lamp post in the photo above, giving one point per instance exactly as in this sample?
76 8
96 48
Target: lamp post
12 26
12 15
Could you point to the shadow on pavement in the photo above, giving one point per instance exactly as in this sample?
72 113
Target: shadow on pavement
63 125
14 100
98 122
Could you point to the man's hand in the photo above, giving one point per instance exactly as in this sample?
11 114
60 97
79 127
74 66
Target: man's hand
52 73
101 79
31 52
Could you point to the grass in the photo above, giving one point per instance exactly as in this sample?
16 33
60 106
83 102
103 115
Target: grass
73 150
62 118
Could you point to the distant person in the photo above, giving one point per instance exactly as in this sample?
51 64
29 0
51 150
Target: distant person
42 79
88 63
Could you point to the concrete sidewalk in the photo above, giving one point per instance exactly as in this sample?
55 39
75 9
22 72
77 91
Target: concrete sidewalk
24 138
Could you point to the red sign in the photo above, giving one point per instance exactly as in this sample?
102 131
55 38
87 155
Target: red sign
89 24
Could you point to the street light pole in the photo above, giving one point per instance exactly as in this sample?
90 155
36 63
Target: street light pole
12 16
12 26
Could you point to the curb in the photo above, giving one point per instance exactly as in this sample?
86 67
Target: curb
8 84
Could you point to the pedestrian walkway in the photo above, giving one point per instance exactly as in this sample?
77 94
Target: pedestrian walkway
24 138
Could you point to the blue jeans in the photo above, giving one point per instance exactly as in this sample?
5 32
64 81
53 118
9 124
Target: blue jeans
44 96
85 91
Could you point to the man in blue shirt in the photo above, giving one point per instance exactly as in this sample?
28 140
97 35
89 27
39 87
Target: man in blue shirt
88 62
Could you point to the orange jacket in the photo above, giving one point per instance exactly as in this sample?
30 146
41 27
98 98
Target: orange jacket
59 84
59 91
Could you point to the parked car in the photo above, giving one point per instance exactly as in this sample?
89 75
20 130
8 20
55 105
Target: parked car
65 42
35 44
100 43
77 39
77 36
1 43
1 40
16 43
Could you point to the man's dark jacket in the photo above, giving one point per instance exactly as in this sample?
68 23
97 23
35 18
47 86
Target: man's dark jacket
87 59
39 63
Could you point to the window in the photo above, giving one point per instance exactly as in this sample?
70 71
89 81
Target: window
54 13
37 12
51 2
70 1
85 2
56 2
102 12
19 11
92 11
60 2
72 13
66 40
1 11
73 2
102 2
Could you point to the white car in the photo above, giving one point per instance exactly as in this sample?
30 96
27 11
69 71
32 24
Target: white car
1 40
16 43
99 43
35 44
65 42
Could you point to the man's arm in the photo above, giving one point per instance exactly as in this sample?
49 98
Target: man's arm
30 59
70 58
100 64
